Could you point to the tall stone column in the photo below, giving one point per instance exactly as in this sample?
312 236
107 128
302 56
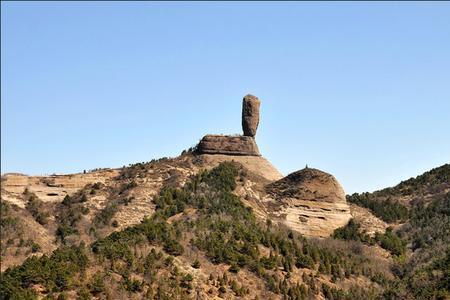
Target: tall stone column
250 115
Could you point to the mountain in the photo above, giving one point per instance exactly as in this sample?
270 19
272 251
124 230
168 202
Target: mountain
114 238
220 222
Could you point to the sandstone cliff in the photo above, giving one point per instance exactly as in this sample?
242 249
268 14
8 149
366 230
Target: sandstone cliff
309 201
230 145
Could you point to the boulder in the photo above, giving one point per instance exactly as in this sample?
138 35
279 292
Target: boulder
230 145
250 115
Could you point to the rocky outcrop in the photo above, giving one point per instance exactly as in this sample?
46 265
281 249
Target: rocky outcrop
51 188
236 144
250 115
230 145
309 201
308 184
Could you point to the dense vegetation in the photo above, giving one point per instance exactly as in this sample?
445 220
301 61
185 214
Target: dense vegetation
425 272
55 273
388 240
388 210
434 181
426 275
430 224
384 203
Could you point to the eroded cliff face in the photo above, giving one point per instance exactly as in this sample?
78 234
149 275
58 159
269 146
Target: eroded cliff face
309 201
52 188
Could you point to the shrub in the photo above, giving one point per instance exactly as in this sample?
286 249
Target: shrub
351 232
64 231
391 242
71 211
173 247
234 268
196 264
304 261
35 207
104 217
35 247
132 285
55 272
97 285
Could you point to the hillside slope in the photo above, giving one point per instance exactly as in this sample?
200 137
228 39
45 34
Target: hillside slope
201 241
198 227
418 212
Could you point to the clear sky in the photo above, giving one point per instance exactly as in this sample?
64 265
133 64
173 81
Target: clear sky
360 90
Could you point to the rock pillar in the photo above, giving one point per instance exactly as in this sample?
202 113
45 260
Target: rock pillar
250 115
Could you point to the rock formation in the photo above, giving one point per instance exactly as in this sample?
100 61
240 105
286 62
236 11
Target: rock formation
310 201
240 144
231 145
51 188
250 115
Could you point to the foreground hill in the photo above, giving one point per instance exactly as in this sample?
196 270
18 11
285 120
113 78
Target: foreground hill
123 197
200 240
202 227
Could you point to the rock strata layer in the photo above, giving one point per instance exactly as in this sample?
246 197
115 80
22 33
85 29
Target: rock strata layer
250 115
230 145
310 201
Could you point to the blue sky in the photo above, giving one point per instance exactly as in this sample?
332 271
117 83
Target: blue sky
357 89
